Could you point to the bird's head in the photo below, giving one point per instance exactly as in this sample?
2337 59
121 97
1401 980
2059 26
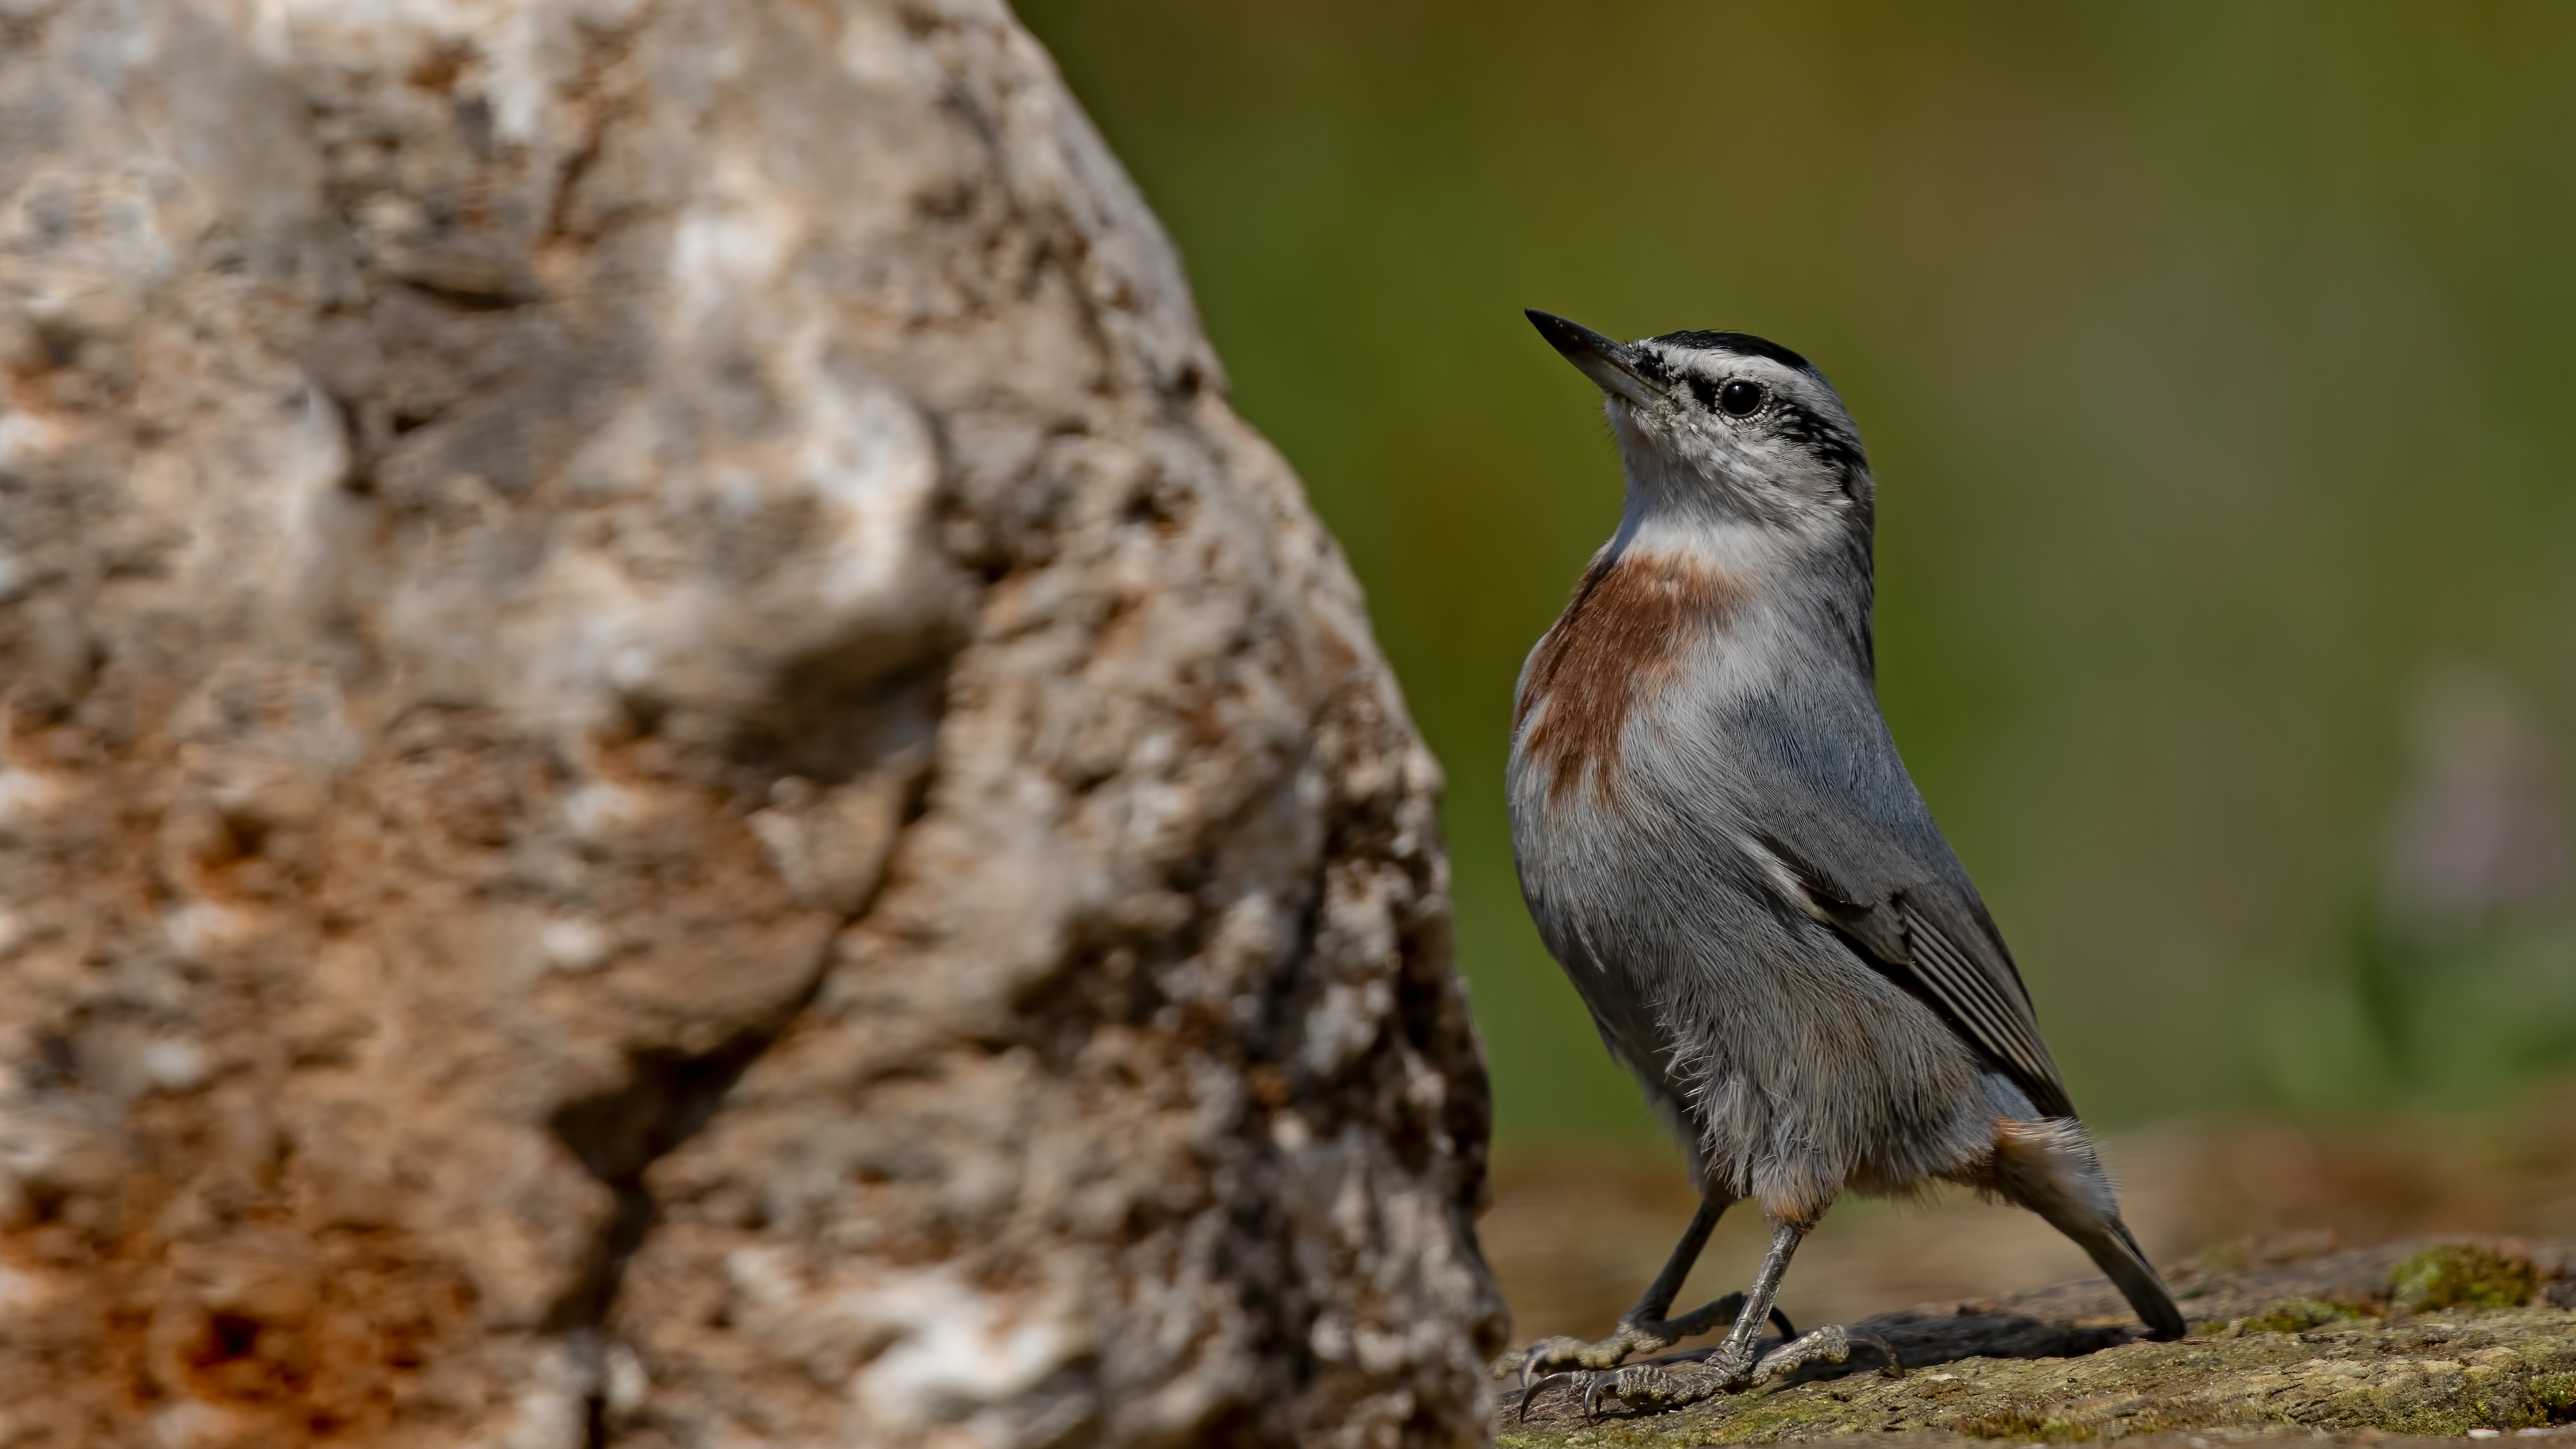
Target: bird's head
1726 428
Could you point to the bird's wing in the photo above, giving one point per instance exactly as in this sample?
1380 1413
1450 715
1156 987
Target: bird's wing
1916 921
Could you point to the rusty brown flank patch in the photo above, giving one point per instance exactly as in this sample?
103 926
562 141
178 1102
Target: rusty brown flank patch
1623 635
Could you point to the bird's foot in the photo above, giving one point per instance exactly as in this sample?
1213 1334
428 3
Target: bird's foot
1549 1357
1676 1382
1832 1343
1654 1387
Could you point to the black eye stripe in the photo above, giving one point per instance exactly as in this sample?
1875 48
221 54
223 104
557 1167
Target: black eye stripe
1829 444
1792 421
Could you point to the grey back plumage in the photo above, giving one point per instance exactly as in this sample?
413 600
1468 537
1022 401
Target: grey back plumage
1858 850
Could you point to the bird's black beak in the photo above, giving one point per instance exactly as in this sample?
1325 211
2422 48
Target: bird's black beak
1611 365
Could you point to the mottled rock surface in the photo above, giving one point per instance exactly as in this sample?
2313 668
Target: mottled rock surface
2423 1339
671 775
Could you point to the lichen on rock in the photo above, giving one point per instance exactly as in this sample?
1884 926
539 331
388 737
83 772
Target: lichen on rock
2454 1275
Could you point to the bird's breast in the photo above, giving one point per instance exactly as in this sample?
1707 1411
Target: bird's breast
1635 624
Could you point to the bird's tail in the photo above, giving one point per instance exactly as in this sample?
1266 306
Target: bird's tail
2050 1168
2117 1255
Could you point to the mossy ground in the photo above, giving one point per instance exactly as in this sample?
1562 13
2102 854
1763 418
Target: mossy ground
2505 1370
2449 1275
2328 1361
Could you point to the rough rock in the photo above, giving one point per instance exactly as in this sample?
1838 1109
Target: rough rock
671 775
2443 1339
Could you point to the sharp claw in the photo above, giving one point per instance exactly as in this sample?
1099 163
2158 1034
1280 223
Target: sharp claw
1592 1396
1530 1359
1537 1352
1787 1333
1531 1391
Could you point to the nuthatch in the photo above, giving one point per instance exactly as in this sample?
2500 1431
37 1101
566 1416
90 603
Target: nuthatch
1722 848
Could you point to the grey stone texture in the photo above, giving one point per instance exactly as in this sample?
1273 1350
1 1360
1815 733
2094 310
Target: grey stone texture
669 775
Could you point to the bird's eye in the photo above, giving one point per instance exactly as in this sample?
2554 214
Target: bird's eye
1741 399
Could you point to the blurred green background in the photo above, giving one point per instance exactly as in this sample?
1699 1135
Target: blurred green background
2216 363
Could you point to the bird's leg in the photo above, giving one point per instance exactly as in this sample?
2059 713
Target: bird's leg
1734 1358
1733 1367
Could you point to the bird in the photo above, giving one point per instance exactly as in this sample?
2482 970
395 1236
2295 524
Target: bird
1723 850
